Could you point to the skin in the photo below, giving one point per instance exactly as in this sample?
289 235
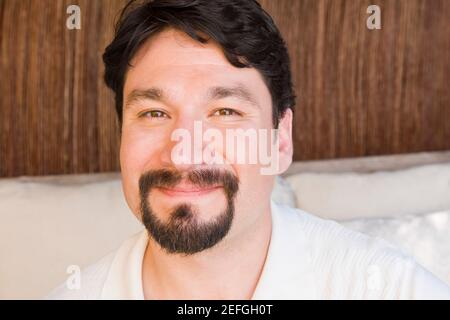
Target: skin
184 70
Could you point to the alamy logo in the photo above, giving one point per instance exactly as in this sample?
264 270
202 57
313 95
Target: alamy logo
73 282
374 20
237 146
374 278
74 20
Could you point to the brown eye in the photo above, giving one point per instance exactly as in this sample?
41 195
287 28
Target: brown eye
226 112
153 114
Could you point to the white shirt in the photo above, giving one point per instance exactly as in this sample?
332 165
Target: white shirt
308 258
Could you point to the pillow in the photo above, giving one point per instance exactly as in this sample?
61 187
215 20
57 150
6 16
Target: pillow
425 237
282 193
342 196
49 224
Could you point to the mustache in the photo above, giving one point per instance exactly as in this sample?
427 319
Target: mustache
169 178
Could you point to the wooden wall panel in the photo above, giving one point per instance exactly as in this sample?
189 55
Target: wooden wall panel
360 92
367 92
57 116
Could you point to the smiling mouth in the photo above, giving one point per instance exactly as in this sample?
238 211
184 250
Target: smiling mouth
188 191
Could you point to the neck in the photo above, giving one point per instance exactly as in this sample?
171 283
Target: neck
229 270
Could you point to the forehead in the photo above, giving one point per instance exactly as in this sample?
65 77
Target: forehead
173 60
175 48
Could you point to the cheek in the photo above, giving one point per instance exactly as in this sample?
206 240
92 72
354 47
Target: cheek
138 148
253 185
133 155
136 154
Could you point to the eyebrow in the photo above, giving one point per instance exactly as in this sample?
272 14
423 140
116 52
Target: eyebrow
214 93
239 92
146 94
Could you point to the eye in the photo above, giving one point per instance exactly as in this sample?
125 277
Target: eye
226 112
153 114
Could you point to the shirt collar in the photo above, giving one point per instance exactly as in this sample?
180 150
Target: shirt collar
124 280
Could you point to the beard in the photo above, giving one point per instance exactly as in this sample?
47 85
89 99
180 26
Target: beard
182 232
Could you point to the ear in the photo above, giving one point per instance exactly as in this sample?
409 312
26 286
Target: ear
285 148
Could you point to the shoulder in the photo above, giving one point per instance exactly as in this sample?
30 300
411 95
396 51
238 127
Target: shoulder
325 233
92 280
112 276
349 264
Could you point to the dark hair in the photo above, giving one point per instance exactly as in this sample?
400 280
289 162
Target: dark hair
247 34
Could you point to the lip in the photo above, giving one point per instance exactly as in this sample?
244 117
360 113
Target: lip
188 192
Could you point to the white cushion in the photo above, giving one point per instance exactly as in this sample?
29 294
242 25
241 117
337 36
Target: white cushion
342 196
47 226
425 237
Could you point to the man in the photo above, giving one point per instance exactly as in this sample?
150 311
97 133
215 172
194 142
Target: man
211 231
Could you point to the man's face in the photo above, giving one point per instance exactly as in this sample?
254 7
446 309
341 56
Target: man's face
176 83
